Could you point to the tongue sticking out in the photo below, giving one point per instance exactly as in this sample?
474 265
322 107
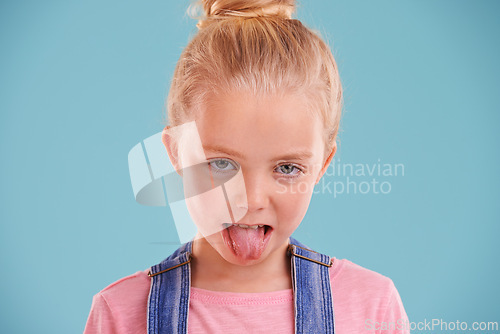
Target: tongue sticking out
247 243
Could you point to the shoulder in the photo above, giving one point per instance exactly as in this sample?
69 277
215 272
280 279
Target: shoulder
352 275
120 306
128 288
352 281
132 280
363 297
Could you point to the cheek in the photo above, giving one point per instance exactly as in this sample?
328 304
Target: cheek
209 211
293 203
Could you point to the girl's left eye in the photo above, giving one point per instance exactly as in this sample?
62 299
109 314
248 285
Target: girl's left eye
288 170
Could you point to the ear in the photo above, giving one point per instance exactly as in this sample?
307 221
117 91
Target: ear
327 162
172 146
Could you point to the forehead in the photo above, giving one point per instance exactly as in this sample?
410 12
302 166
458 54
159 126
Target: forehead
260 126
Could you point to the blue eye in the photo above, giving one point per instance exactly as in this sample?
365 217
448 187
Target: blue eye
222 165
288 170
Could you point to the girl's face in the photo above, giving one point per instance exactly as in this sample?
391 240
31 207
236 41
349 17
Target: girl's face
277 145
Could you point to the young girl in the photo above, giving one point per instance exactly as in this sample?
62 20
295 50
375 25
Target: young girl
254 105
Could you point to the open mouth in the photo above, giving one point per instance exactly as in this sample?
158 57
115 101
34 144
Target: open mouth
253 227
246 242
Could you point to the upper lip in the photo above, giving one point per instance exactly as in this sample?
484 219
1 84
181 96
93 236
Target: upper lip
229 224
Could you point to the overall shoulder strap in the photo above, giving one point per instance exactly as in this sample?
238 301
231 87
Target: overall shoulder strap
312 290
168 302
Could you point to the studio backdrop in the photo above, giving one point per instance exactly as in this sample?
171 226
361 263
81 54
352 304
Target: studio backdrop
412 193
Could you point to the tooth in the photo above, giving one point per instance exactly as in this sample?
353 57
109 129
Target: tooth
261 225
243 226
254 227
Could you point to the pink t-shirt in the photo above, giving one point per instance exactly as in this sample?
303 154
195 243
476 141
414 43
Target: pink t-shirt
363 301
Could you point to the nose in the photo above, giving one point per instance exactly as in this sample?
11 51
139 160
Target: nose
257 191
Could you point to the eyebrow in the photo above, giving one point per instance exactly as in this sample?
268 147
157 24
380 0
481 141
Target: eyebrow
297 155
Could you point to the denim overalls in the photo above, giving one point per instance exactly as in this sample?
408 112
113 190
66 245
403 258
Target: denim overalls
168 302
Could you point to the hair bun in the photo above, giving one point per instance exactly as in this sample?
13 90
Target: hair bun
219 9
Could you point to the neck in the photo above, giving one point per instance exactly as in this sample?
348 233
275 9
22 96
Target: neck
211 271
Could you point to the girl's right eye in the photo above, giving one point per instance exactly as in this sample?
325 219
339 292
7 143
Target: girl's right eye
222 165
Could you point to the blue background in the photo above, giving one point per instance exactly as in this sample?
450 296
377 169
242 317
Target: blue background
82 82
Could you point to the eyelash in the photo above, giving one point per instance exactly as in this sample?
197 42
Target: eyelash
215 169
298 170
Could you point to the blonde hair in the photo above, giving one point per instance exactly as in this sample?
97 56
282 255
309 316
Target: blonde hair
255 46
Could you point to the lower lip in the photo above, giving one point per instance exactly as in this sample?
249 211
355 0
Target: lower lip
229 243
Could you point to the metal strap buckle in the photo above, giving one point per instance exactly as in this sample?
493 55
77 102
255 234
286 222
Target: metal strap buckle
290 249
168 269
